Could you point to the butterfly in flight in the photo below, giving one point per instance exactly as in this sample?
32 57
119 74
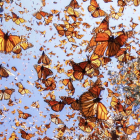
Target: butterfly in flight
6 93
56 106
25 135
44 59
42 71
9 43
17 19
95 10
23 115
22 90
4 72
90 104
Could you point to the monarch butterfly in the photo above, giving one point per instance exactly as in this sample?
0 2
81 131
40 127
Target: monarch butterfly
96 87
71 101
73 13
90 105
4 72
129 100
79 69
134 25
13 136
14 68
61 131
54 11
60 29
94 61
85 125
38 15
25 135
35 104
128 129
137 73
86 68
121 3
118 14
74 4
22 89
55 119
6 93
42 71
113 44
111 93
123 56
95 10
44 59
10 103
55 105
17 19
116 104
126 111
10 42
23 115
68 82
50 84
71 116
104 26
48 19
105 60
24 44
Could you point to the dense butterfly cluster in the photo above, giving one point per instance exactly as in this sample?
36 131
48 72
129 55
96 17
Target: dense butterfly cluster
95 119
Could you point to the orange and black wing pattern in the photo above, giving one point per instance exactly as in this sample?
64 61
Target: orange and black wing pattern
74 4
68 82
95 10
23 115
86 125
44 59
112 44
9 43
50 83
17 19
22 90
6 94
42 71
79 69
38 15
55 105
3 72
55 119
25 135
91 106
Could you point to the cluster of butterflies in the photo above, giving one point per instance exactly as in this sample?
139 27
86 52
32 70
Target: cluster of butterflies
94 117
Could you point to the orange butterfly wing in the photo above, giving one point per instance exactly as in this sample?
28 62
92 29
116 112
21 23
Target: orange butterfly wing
44 59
